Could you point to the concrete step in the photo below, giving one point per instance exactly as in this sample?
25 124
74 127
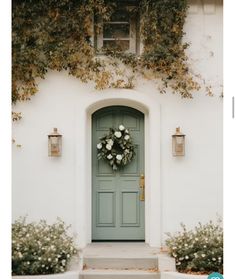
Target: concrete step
124 261
161 261
119 274
120 263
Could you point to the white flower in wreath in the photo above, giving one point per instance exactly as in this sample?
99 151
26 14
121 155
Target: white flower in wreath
126 131
126 151
119 157
110 142
126 137
99 146
118 134
121 128
108 147
109 157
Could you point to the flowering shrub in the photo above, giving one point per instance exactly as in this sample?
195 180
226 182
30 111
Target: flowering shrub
39 248
199 250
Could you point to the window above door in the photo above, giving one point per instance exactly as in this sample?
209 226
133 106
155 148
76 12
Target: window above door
120 32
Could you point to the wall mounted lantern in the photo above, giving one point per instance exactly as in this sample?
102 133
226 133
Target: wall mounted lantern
178 143
54 144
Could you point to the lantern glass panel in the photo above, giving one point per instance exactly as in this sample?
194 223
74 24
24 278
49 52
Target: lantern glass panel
179 148
179 140
54 140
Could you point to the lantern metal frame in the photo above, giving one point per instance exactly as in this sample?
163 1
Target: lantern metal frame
54 144
178 143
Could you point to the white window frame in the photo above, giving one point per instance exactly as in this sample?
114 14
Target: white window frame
133 43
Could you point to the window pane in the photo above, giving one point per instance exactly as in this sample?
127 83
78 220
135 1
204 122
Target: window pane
120 15
117 45
116 30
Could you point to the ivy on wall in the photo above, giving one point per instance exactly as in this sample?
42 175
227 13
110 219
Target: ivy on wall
165 21
56 35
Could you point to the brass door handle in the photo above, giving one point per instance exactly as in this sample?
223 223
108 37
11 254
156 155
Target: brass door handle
142 187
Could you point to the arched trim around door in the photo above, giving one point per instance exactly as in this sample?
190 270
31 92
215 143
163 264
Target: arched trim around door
83 173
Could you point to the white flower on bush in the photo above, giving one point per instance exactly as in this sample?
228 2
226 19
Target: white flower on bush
126 137
119 157
118 134
109 157
121 128
108 147
99 146
203 255
186 257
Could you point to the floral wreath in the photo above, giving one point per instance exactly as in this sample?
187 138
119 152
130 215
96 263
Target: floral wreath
116 147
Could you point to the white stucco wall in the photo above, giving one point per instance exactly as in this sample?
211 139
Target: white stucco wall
183 189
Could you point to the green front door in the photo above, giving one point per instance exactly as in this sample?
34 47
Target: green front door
118 213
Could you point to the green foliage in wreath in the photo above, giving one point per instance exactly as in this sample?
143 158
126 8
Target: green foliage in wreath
116 147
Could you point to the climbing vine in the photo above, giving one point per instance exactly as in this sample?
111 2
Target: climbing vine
57 35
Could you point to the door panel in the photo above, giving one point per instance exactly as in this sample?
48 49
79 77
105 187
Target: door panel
118 213
130 204
106 209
